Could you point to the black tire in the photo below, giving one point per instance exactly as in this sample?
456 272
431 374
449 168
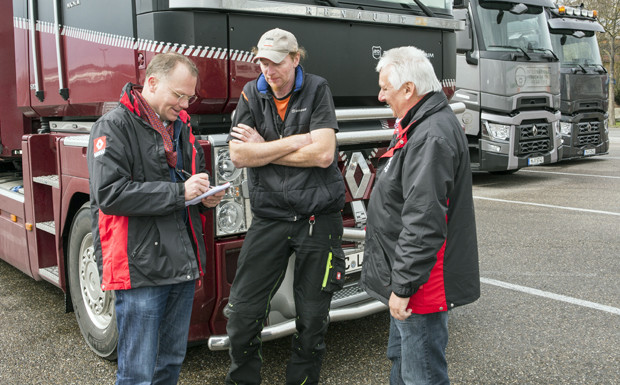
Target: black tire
94 308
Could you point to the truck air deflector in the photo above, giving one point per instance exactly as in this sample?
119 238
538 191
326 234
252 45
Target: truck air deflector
575 24
291 9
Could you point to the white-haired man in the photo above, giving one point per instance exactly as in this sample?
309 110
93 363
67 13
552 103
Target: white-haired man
421 254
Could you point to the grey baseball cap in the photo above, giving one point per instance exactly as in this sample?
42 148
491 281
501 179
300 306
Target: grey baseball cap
275 44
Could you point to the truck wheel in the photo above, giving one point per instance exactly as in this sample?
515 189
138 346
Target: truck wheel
94 308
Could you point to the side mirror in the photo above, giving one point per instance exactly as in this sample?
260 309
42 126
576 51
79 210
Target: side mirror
464 38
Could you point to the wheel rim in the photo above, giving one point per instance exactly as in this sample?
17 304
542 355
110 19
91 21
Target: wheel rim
99 304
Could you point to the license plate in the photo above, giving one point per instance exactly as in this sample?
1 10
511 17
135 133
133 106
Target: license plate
535 161
589 151
354 261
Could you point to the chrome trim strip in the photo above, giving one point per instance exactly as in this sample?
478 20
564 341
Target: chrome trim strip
61 80
76 140
351 234
222 342
357 137
33 47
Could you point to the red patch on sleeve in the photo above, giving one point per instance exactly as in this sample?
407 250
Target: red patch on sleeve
99 145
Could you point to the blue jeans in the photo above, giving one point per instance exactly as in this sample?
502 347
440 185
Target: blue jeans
417 349
153 325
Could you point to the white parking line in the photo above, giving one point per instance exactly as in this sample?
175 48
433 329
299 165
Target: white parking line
546 294
570 173
548 206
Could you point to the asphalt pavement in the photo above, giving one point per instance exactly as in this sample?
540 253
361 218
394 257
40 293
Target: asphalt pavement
549 241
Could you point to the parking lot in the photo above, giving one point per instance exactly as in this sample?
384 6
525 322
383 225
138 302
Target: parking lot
549 241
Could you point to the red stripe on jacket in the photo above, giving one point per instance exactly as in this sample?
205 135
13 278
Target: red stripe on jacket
431 297
184 116
113 233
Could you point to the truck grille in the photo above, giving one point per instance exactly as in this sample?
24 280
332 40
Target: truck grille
588 127
534 146
534 137
534 131
588 139
589 133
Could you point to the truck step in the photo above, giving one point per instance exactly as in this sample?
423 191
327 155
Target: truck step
347 292
50 180
49 227
11 184
50 274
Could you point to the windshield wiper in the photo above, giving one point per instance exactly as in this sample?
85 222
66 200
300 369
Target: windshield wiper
422 6
512 47
597 67
604 71
547 50
582 69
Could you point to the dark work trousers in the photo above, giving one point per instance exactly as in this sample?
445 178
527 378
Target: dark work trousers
260 270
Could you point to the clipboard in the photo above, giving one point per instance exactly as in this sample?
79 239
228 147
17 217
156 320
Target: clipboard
209 192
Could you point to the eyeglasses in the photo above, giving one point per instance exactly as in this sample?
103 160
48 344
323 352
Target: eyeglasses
190 99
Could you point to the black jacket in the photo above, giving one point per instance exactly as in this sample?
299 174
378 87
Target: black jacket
142 233
284 192
421 233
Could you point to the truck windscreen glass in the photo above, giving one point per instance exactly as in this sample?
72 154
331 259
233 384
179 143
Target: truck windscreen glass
505 31
574 51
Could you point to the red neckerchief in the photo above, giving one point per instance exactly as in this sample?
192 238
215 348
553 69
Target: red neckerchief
401 139
148 114
400 132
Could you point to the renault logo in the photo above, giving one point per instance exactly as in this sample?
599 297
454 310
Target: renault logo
534 130
357 175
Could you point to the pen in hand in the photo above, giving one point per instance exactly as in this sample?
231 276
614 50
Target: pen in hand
187 174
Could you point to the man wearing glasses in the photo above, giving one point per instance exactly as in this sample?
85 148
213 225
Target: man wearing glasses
144 164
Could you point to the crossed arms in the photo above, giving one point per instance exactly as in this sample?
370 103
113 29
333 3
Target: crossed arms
315 149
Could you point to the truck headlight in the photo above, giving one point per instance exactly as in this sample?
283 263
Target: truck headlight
232 215
226 170
606 126
497 131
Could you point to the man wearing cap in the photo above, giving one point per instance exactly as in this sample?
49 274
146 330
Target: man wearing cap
284 132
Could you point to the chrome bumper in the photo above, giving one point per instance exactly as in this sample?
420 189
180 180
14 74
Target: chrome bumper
283 329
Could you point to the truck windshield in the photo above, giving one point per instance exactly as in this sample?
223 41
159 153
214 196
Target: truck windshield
503 30
574 51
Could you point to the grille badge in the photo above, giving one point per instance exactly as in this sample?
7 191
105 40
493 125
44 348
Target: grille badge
356 188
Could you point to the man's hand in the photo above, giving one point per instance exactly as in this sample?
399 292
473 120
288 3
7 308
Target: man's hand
249 148
246 134
213 200
197 184
398 307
